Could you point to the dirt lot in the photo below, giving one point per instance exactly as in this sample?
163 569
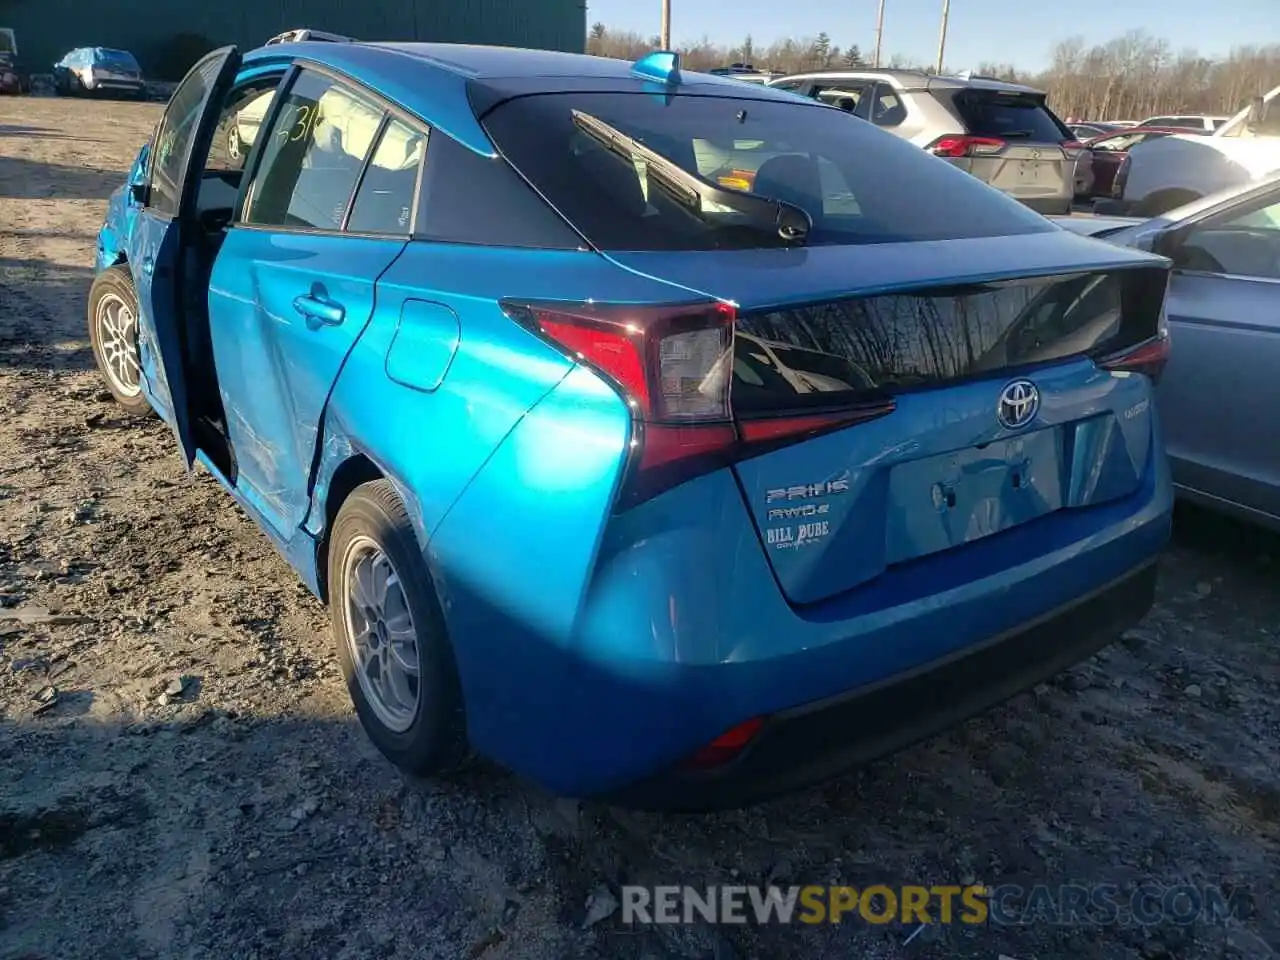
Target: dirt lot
242 814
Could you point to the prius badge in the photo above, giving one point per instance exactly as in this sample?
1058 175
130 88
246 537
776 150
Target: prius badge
1019 404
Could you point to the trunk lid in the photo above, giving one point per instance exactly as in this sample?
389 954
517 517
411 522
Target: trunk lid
1002 419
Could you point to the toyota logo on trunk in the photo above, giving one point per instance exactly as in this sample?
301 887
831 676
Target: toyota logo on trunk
1019 403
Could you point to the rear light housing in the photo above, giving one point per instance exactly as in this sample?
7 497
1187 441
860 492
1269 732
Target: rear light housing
1074 149
673 367
1148 358
724 748
958 145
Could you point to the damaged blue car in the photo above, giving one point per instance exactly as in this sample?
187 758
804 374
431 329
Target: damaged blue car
661 437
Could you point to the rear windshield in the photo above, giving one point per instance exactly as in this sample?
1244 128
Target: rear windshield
1010 116
117 59
857 183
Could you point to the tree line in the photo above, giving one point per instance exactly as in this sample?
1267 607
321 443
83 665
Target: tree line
1131 77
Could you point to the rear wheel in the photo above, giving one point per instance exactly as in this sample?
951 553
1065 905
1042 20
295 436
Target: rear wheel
113 332
235 145
1163 201
390 634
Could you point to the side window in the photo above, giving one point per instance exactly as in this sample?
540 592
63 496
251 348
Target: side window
847 96
384 200
1243 245
317 148
792 86
174 135
888 109
239 123
467 198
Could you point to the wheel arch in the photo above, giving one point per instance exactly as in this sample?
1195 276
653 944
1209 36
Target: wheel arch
355 470
1162 201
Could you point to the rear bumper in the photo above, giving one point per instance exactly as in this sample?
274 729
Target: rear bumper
1049 206
811 743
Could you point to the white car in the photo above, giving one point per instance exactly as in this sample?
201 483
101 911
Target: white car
1161 174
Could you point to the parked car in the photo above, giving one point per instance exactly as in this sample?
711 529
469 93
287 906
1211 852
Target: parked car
1160 175
10 78
1200 122
97 70
1092 130
1002 133
515 407
745 71
1224 316
1108 152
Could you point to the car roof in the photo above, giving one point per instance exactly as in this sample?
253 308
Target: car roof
915 79
450 85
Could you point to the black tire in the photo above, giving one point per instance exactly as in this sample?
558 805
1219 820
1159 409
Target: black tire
436 740
1163 201
115 282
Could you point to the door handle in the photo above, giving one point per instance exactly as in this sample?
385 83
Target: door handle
319 310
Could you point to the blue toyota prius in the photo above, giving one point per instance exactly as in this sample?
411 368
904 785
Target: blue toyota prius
661 437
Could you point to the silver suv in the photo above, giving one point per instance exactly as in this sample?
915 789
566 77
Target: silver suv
1002 133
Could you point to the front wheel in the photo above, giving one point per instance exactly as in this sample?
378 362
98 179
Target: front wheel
390 634
113 333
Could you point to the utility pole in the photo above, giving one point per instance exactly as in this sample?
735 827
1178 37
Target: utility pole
942 34
666 24
875 59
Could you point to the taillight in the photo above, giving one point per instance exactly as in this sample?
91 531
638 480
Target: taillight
1148 357
725 747
1073 149
956 145
673 366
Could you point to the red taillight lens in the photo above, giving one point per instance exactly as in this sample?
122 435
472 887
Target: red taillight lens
1073 149
1148 357
955 145
725 747
674 367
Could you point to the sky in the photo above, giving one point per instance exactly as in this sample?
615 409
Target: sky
1020 32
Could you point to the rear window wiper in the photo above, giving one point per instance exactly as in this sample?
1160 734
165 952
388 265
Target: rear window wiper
790 222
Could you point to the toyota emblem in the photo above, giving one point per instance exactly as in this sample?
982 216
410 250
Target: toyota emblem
1019 404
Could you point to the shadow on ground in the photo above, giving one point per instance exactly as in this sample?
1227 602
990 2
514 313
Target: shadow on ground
41 315
31 180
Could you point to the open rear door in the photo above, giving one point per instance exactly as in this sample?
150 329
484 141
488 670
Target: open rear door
166 200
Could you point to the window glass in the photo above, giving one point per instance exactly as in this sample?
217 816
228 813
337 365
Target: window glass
1247 245
469 198
858 184
384 201
239 124
311 163
888 110
848 97
1008 115
174 135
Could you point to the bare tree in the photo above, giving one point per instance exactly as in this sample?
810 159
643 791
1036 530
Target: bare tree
1132 76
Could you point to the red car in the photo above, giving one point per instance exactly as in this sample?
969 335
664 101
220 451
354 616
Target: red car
1109 151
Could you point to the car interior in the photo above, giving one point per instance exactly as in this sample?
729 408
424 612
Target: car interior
216 198
1247 246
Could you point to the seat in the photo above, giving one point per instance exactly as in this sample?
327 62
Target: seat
792 178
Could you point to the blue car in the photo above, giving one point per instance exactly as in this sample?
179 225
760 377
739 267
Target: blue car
664 438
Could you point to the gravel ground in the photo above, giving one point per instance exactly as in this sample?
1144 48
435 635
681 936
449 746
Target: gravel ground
199 787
